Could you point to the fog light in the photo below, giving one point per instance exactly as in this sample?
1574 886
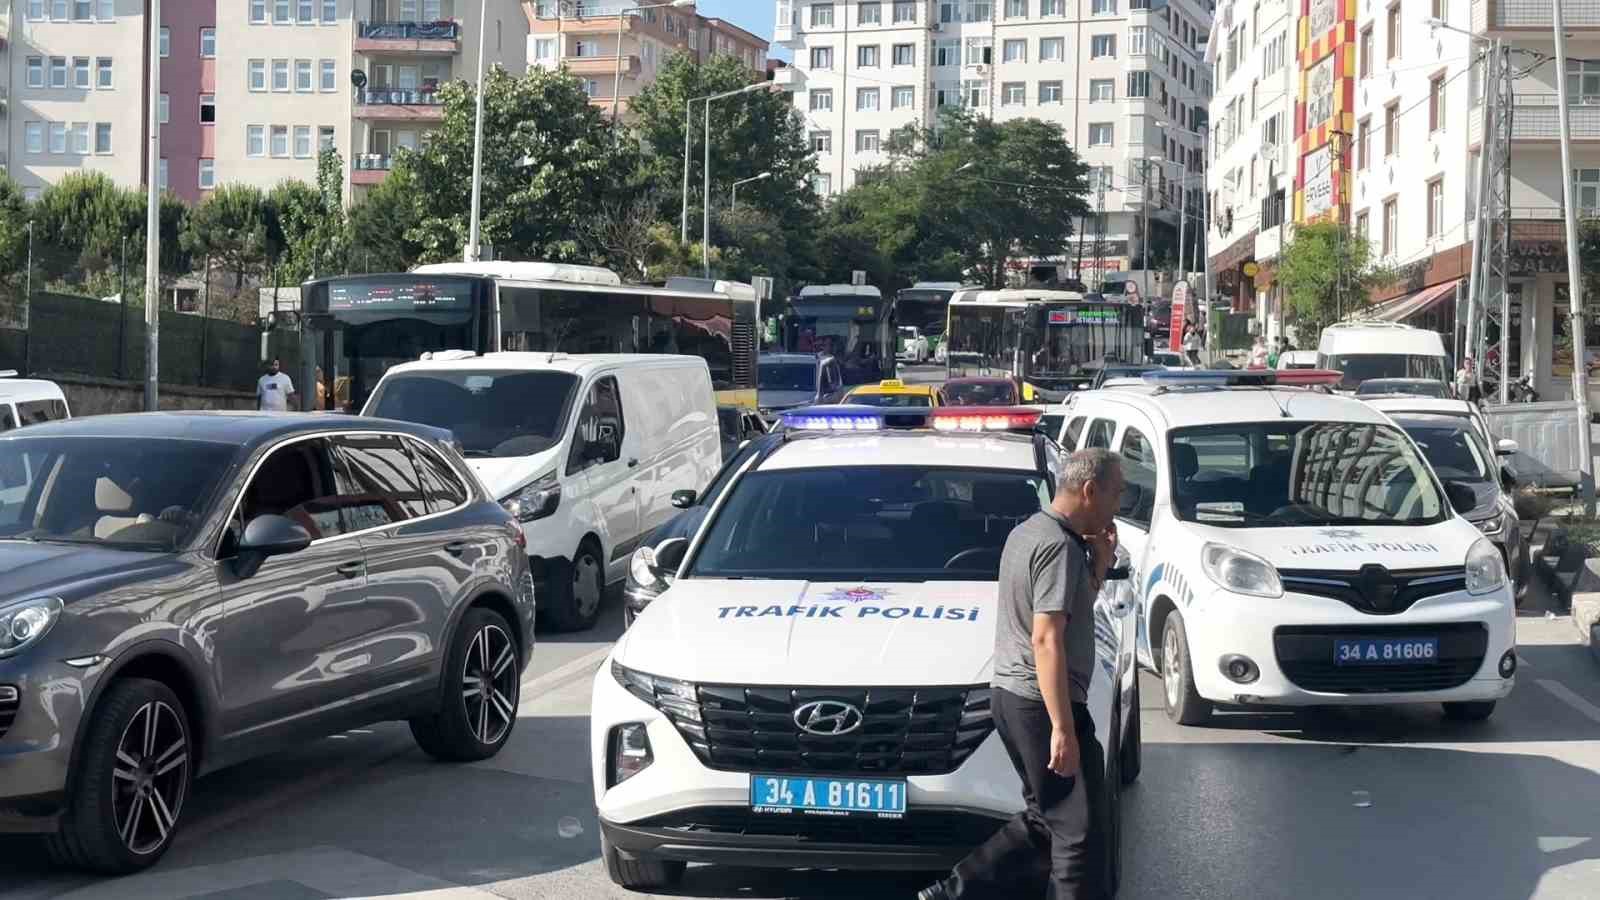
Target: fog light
1239 669
630 752
1508 664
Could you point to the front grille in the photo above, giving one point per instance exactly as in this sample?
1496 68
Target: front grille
1373 593
9 703
1305 654
920 829
903 731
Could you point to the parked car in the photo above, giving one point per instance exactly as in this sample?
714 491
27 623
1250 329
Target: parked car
1111 373
30 401
790 380
186 591
737 426
1297 359
1366 350
585 451
1170 359
981 391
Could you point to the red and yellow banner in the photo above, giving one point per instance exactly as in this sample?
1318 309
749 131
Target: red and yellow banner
1324 113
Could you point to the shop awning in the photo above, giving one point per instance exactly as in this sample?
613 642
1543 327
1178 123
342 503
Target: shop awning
1403 308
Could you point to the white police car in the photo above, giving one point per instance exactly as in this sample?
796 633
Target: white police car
1290 547
812 690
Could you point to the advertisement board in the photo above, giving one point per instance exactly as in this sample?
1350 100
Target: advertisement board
1180 302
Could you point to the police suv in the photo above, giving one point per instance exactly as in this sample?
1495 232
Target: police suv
811 686
1290 547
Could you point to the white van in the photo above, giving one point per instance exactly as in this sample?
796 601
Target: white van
1363 350
590 453
30 401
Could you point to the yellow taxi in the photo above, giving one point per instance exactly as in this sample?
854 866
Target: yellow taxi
893 393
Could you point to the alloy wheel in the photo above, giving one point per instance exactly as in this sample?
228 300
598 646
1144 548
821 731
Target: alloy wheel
150 777
1171 667
489 684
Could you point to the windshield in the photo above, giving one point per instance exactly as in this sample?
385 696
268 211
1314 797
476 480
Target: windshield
894 401
1454 452
1414 387
492 414
1359 367
980 393
126 493
872 523
1292 474
788 377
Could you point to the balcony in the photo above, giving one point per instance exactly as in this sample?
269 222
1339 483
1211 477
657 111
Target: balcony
602 65
789 78
370 168
426 38
386 103
1537 118
1532 14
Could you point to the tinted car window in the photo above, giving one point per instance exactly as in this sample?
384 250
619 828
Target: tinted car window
382 486
1139 475
35 412
492 413
1099 434
8 420
601 417
440 483
1069 441
297 481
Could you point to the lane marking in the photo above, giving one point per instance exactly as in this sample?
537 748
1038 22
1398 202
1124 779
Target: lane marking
1570 697
560 676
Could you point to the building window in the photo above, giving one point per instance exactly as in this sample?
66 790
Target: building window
1441 10
58 137
33 136
903 98
905 11
1100 134
256 71
1014 51
1391 129
324 138
208 174
822 15
821 58
255 140
1103 46
329 76
82 10
1393 50
330 12
60 10
1137 40
1366 52
1391 225
947 53
869 14
821 142
1363 226
1139 84
1013 93
258 12
102 137
1051 49
866 99
822 100
103 73
80 72
867 141
36 71
1049 93
164 107
1586 185
302 75
302 141
905 54
1435 207
980 51
1471 181
162 174
166 42
544 49
1016 9
280 11
208 43
975 94
1363 144
208 109
823 184
280 74
1102 90
280 140
307 12
1583 81
78 138
36 10
1052 7
1436 103
979 10
867 57
1103 7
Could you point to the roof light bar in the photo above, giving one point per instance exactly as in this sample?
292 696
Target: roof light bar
1308 377
833 418
984 418
1241 377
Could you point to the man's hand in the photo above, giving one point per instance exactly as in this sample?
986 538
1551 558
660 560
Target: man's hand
1063 752
1104 546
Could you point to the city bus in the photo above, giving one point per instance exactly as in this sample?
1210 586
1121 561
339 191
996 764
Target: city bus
1051 341
924 306
854 324
360 325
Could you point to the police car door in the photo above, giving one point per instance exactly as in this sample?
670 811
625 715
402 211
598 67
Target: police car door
1113 610
1134 517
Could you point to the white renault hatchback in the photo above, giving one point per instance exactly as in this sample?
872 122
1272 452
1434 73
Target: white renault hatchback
813 688
1293 548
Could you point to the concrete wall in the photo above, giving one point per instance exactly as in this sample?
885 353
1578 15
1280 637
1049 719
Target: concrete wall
99 396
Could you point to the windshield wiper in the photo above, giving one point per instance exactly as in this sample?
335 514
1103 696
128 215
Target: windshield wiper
477 454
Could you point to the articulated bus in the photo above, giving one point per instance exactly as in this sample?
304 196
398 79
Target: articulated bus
925 307
852 323
1051 341
360 325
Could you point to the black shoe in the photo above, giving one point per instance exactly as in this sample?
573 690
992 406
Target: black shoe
935 891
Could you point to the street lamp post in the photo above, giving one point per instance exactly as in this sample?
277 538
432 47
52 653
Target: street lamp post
152 221
1144 246
474 249
733 201
622 18
705 192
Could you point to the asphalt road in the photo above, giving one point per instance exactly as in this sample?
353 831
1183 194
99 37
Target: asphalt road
1377 803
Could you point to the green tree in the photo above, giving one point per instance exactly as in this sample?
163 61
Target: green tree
1328 274
79 224
294 212
549 160
377 226
233 228
14 218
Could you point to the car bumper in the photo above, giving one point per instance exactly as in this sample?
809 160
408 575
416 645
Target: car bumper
1293 650
36 747
677 808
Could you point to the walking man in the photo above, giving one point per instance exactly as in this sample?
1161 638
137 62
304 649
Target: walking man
275 390
1050 571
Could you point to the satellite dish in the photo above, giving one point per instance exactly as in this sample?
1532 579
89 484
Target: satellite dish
358 78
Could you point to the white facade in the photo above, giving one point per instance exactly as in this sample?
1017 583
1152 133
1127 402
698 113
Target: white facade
1113 73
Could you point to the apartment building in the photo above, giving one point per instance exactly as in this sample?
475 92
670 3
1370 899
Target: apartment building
1255 149
583 36
1125 79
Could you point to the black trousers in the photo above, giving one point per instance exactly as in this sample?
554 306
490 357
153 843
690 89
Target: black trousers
1058 847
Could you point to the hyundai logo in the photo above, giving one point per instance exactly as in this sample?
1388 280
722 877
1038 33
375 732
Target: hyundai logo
828 718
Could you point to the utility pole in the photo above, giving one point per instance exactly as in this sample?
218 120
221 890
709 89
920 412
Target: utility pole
1580 363
152 223
474 249
1144 240
1183 218
122 310
1100 234
688 129
27 306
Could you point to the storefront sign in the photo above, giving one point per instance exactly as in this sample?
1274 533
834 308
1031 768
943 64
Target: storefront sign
1319 181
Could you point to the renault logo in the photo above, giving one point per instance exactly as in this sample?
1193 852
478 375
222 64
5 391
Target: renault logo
828 718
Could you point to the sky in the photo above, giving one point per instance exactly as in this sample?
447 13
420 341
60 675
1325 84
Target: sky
754 16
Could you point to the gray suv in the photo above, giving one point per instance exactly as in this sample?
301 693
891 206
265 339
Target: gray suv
179 592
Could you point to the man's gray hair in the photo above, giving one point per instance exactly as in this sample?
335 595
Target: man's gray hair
1094 464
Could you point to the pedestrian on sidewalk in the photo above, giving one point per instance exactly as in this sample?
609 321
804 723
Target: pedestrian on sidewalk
1050 572
1466 381
1191 342
1258 353
274 391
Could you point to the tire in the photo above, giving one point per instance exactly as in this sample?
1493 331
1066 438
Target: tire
1470 711
1183 703
640 873
1523 577
1132 748
576 590
127 793
478 692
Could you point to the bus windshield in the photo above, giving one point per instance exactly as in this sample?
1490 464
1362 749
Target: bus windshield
492 413
1359 367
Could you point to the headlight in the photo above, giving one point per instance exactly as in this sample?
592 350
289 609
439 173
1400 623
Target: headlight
1493 525
26 622
666 694
536 500
1241 572
1486 570
642 572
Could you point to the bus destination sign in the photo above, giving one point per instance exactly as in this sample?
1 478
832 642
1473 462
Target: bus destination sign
1095 314
386 296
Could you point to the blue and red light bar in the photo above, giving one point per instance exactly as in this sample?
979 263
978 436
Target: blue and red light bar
1242 377
876 418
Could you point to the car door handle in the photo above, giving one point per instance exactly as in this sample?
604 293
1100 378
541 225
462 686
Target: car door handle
351 569
456 548
632 463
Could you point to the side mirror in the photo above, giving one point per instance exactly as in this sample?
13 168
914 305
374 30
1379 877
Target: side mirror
267 536
669 556
685 498
1462 497
1506 447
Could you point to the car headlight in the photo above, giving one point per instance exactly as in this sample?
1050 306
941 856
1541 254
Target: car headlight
535 500
1492 526
26 622
642 572
1240 572
666 694
1486 569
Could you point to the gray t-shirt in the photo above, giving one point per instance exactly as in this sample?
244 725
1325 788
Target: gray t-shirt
1042 570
